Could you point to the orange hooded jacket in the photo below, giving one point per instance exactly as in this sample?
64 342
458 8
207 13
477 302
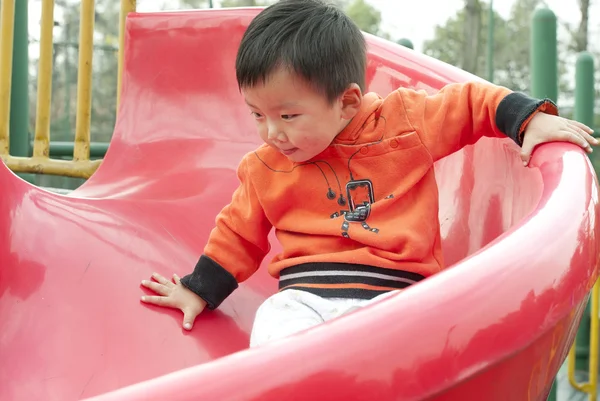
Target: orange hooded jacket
361 218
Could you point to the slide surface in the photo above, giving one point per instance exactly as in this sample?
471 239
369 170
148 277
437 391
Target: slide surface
522 244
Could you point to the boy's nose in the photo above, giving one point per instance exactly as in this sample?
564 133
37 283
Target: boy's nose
275 134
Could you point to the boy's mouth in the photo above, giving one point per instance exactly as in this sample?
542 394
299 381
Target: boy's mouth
288 151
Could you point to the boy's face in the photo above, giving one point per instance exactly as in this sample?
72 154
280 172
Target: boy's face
295 119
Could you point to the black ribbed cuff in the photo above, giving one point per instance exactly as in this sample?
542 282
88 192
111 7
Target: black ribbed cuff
515 109
210 282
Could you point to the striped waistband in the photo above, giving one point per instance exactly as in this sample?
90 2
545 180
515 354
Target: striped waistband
345 280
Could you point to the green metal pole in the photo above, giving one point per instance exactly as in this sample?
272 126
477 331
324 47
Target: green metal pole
544 67
19 94
406 43
490 43
67 119
584 112
552 395
65 149
544 61
584 89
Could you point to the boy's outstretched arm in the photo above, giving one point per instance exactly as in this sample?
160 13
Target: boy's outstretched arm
235 249
461 113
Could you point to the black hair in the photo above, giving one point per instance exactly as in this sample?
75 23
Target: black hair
312 38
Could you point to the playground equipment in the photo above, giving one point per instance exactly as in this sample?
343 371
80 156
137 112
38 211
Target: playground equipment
14 89
523 244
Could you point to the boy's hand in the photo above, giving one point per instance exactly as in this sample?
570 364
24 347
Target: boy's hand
174 295
550 128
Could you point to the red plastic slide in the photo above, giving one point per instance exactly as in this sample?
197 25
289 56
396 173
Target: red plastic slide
496 326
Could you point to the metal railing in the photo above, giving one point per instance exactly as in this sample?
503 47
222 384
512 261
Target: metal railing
41 163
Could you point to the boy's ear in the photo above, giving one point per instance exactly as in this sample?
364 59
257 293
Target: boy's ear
351 100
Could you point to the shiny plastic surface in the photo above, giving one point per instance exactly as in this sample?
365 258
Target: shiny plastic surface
523 243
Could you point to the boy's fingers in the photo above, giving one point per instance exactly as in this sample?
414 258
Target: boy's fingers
159 278
156 300
526 151
177 279
588 138
188 319
578 137
156 287
582 126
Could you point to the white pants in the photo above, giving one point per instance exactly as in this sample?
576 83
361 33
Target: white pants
292 311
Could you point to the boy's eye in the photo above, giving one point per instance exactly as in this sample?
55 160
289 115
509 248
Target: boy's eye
288 116
256 115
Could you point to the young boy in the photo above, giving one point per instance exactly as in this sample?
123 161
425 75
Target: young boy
345 178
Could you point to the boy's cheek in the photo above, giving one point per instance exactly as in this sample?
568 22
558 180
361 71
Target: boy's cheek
263 134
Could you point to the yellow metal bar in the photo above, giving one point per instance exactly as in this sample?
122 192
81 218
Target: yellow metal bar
44 165
590 387
571 369
594 323
7 21
127 6
41 144
84 82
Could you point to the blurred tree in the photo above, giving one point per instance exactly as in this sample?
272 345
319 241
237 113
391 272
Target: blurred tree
511 46
580 33
472 35
244 3
367 17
